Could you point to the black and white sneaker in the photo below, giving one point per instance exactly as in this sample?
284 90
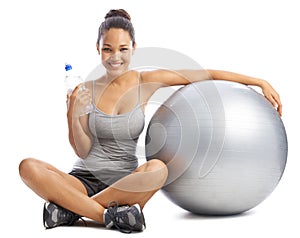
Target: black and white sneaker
54 215
125 218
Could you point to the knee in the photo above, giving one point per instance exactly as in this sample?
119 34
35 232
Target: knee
157 166
27 168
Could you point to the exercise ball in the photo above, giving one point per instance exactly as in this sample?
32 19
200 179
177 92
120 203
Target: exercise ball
224 144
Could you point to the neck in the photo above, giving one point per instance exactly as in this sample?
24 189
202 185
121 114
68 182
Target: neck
113 78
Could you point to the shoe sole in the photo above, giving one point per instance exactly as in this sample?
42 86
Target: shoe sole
141 218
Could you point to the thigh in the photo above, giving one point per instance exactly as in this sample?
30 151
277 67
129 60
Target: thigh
72 181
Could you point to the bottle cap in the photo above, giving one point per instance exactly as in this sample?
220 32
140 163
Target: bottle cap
68 67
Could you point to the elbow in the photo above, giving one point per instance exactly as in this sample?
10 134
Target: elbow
81 154
82 151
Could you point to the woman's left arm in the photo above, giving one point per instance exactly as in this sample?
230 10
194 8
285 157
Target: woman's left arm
184 77
268 91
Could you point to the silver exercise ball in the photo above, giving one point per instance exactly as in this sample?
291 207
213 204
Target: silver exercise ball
224 144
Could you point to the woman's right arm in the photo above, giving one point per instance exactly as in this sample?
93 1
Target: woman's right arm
79 135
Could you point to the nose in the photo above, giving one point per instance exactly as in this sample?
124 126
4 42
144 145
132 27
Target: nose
116 56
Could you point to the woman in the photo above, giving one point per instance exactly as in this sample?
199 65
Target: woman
106 183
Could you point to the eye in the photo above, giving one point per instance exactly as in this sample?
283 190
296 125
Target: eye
124 49
106 49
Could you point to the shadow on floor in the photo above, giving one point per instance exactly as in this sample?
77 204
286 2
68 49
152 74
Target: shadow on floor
193 216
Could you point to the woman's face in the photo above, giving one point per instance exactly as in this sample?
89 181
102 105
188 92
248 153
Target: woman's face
116 50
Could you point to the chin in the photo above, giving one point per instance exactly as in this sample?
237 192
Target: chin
117 72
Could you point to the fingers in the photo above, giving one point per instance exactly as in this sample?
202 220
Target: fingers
276 98
79 90
279 107
272 96
279 110
79 96
84 98
275 101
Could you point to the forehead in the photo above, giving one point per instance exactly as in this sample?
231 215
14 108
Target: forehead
116 36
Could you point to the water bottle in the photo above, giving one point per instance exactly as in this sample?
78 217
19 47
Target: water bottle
72 79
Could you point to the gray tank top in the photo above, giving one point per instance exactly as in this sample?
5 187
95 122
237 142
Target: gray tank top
112 155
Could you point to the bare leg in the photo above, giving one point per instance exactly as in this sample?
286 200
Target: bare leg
60 188
137 187
68 192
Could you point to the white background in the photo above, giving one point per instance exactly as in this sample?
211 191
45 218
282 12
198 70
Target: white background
256 37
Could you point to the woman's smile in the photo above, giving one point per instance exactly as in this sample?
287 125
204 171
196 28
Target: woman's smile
115 65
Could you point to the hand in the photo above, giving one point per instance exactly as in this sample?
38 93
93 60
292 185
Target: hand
270 93
79 99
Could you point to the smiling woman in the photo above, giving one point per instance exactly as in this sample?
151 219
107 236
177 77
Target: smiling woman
106 184
116 51
118 42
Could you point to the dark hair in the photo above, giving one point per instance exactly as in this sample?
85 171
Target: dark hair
116 18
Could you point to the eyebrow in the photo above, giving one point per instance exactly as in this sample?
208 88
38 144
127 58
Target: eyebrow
107 44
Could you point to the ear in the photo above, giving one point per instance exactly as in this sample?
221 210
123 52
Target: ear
97 46
133 48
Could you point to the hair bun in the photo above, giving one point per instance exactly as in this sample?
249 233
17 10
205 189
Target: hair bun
118 13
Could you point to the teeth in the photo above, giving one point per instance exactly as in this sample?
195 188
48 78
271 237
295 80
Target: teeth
115 65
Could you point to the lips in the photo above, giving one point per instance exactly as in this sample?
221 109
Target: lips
116 64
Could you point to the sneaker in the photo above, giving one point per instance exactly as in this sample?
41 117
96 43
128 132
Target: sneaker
55 215
125 218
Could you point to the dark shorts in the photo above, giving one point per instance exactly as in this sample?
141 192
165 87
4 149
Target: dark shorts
92 184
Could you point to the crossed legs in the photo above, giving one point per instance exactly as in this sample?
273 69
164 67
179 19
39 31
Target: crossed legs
67 191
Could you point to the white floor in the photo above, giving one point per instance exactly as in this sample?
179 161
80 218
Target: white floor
277 215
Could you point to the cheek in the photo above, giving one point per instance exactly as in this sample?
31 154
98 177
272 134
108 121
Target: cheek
126 57
104 57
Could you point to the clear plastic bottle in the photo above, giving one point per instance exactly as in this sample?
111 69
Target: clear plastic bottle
72 79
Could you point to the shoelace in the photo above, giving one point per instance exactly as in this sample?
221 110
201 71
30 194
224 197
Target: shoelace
117 217
80 218
74 218
66 215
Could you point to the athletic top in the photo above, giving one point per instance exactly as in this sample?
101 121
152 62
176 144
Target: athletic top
112 155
